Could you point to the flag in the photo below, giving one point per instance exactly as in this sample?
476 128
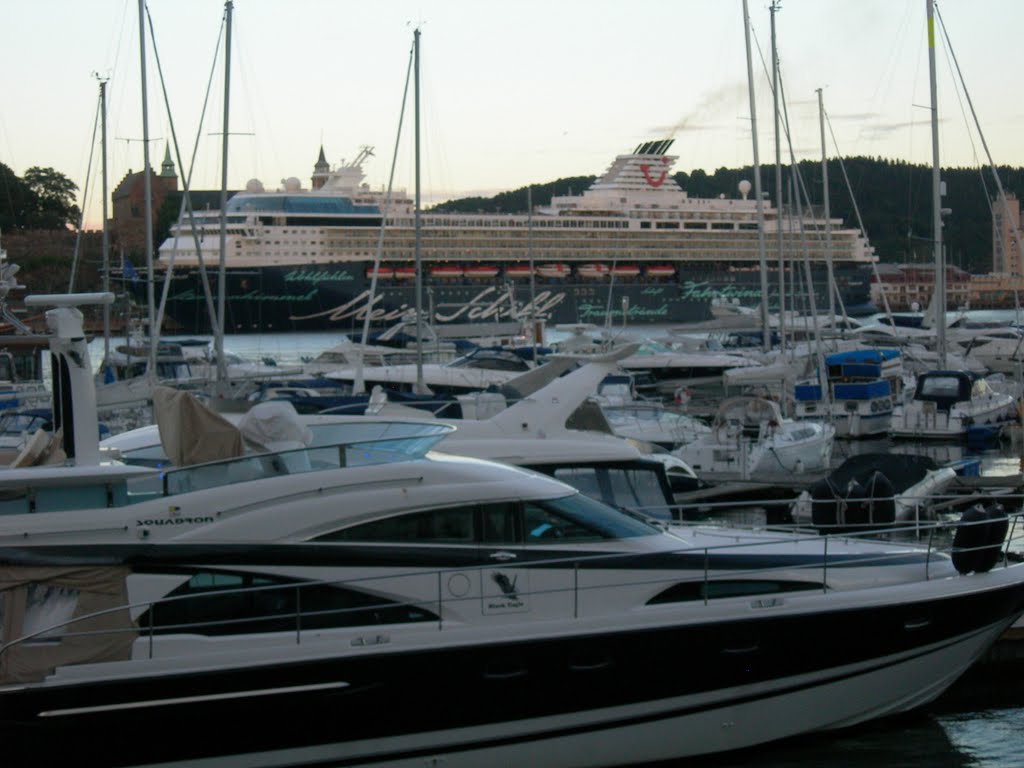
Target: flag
130 272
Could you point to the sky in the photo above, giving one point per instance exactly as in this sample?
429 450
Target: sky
512 93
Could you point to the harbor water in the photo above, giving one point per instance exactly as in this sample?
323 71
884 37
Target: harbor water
978 723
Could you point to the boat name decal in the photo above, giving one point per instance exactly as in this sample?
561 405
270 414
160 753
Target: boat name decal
318 276
174 521
589 311
488 304
191 295
646 171
694 290
504 593
503 306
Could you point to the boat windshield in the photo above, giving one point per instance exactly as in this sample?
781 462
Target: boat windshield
653 348
635 486
599 517
491 360
360 452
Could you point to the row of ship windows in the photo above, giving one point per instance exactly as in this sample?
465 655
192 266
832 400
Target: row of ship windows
549 245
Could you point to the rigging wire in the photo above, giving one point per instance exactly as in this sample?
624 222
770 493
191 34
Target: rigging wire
186 202
1015 231
85 198
358 385
860 221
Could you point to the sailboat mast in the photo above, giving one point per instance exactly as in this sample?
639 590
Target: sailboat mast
940 267
106 232
773 9
766 331
420 388
533 282
828 213
147 196
218 339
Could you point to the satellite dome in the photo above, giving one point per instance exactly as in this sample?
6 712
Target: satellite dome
254 185
292 184
744 186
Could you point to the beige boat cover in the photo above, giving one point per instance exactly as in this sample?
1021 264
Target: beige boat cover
100 629
191 433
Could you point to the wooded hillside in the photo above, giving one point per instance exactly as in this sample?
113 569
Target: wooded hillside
894 199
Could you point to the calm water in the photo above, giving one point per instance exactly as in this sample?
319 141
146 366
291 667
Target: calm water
979 723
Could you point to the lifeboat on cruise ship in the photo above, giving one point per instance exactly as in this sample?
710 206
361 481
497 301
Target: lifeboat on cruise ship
405 273
382 274
660 270
553 270
446 270
593 271
517 270
626 270
481 272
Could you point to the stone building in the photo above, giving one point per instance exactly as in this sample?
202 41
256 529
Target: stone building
127 223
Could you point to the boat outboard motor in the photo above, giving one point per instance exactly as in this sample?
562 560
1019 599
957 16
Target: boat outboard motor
978 542
74 390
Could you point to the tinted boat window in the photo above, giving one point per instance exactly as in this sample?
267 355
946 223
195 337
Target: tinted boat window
700 590
447 525
598 517
218 603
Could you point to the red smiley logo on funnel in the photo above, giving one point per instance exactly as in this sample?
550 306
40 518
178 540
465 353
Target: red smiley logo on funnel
646 171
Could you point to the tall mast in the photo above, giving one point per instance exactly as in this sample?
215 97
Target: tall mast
218 339
828 215
939 300
147 196
766 331
106 232
420 387
773 9
533 283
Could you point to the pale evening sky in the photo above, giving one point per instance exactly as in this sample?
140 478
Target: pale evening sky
513 93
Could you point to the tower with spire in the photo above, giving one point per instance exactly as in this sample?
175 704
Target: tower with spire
167 166
321 170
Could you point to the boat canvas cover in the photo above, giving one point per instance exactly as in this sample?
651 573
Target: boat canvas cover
191 433
275 426
38 598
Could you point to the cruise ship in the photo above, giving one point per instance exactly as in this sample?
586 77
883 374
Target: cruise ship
634 248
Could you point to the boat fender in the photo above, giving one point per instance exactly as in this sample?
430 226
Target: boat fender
825 510
881 499
998 526
858 505
977 544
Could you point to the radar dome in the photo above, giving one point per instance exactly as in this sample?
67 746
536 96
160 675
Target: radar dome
292 184
744 186
254 185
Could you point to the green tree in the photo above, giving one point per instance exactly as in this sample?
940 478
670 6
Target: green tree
54 194
16 199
